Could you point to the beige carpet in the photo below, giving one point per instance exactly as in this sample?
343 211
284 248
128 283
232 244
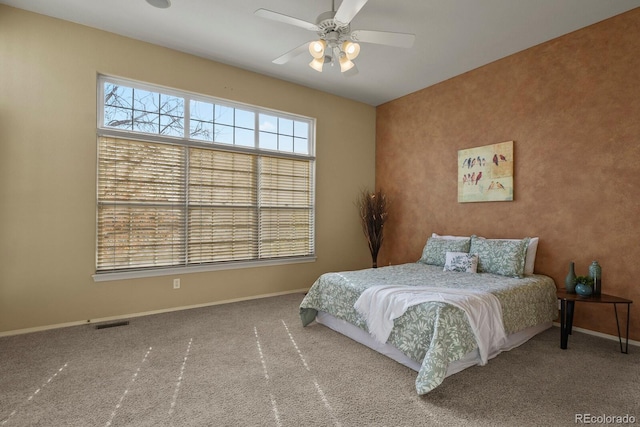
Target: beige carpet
252 364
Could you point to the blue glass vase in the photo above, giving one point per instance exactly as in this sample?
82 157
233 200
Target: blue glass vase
583 290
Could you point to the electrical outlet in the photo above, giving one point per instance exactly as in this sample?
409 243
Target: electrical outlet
176 283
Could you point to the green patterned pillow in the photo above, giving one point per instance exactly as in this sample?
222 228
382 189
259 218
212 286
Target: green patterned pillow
435 251
504 257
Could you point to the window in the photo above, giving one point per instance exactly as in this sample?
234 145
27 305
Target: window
188 181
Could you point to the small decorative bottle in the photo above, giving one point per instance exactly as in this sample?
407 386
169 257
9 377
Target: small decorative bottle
570 280
595 272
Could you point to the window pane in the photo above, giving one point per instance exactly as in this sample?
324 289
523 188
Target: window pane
285 127
284 232
221 178
285 183
301 129
245 119
135 236
223 134
300 146
285 143
118 96
221 234
268 141
119 118
172 126
268 123
201 130
201 111
224 115
146 122
138 171
171 105
144 100
245 137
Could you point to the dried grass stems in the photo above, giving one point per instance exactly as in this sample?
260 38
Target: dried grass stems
373 214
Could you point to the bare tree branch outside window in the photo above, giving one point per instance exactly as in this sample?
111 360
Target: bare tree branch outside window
151 112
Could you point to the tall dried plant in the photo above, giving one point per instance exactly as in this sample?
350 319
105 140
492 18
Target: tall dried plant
373 214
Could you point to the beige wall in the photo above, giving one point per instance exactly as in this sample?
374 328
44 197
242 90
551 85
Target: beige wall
572 106
48 74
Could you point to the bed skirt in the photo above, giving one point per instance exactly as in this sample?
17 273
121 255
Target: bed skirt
471 359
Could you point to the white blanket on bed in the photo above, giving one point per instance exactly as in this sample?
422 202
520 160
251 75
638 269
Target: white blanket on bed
380 305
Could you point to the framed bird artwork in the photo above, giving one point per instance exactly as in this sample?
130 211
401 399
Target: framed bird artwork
485 174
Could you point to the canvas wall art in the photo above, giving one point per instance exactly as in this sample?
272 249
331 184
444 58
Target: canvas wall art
485 174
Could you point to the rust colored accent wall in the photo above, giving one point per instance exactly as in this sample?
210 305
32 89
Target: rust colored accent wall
572 108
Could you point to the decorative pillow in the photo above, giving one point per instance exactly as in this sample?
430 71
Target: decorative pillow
461 262
530 260
532 249
434 252
504 257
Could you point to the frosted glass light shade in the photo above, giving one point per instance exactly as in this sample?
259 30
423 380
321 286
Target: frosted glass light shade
316 48
345 64
352 50
317 64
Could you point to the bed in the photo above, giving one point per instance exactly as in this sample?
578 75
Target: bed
436 337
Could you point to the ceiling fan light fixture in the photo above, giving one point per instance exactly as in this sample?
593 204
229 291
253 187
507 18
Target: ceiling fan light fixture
160 4
317 64
351 49
316 48
345 63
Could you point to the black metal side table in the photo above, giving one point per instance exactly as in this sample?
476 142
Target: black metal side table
567 307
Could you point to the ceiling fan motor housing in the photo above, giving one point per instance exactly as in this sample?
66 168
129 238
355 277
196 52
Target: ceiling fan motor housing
330 30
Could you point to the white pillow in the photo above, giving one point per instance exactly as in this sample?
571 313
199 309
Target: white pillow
461 262
450 237
530 259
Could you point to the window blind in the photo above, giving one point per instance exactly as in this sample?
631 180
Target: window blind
163 205
222 206
285 198
140 204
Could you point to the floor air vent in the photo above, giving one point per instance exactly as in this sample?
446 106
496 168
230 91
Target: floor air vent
112 325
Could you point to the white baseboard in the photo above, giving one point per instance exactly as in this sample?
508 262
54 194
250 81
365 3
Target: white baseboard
146 313
601 335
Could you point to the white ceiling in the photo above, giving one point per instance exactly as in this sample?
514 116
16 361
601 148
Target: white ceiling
452 36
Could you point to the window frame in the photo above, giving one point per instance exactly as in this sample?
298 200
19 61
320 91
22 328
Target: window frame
186 141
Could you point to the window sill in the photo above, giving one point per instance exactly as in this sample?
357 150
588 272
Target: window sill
172 271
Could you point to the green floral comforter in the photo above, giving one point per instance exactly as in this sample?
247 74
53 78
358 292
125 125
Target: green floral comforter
434 333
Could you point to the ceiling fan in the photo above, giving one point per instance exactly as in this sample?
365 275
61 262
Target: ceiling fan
337 42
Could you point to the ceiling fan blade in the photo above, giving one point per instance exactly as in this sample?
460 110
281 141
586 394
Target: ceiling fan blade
275 16
291 54
382 37
348 10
